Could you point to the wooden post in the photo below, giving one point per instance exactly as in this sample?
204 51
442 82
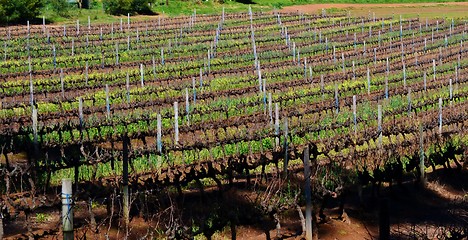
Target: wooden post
162 56
354 115
176 123
386 86
308 195
409 102
440 116
343 61
107 102
285 147
384 220
379 122
322 87
421 155
73 47
116 53
201 78
67 209
77 27
31 86
450 89
158 136
142 76
194 91
404 75
264 96
34 124
187 105
86 72
270 110
277 124
126 198
337 102
127 86
259 80
425 80
80 115
54 53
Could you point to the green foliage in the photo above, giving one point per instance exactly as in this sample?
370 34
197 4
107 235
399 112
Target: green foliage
61 7
19 10
122 7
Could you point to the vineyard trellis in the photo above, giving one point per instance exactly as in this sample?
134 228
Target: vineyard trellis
71 97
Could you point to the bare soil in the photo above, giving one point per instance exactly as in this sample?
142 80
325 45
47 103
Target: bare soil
454 9
415 213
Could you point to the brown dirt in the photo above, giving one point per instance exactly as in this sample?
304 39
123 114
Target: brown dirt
431 9
414 210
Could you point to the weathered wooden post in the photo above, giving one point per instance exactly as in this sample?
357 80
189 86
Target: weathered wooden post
176 123
404 75
80 116
187 105
285 147
201 78
270 108
116 53
259 80
31 86
354 115
386 86
107 102
142 75
308 195
86 73
337 102
421 156
67 209
425 80
379 122
450 90
126 198
409 102
277 124
159 134
194 88
440 116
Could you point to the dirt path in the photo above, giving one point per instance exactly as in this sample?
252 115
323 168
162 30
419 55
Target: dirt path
451 9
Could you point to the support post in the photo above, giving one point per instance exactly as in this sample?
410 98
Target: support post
176 123
126 200
421 156
67 209
308 194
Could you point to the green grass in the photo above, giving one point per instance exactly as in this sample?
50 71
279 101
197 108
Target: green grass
186 7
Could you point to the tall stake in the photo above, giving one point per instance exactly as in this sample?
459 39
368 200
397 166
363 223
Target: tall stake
421 155
126 198
308 195
176 123
67 209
